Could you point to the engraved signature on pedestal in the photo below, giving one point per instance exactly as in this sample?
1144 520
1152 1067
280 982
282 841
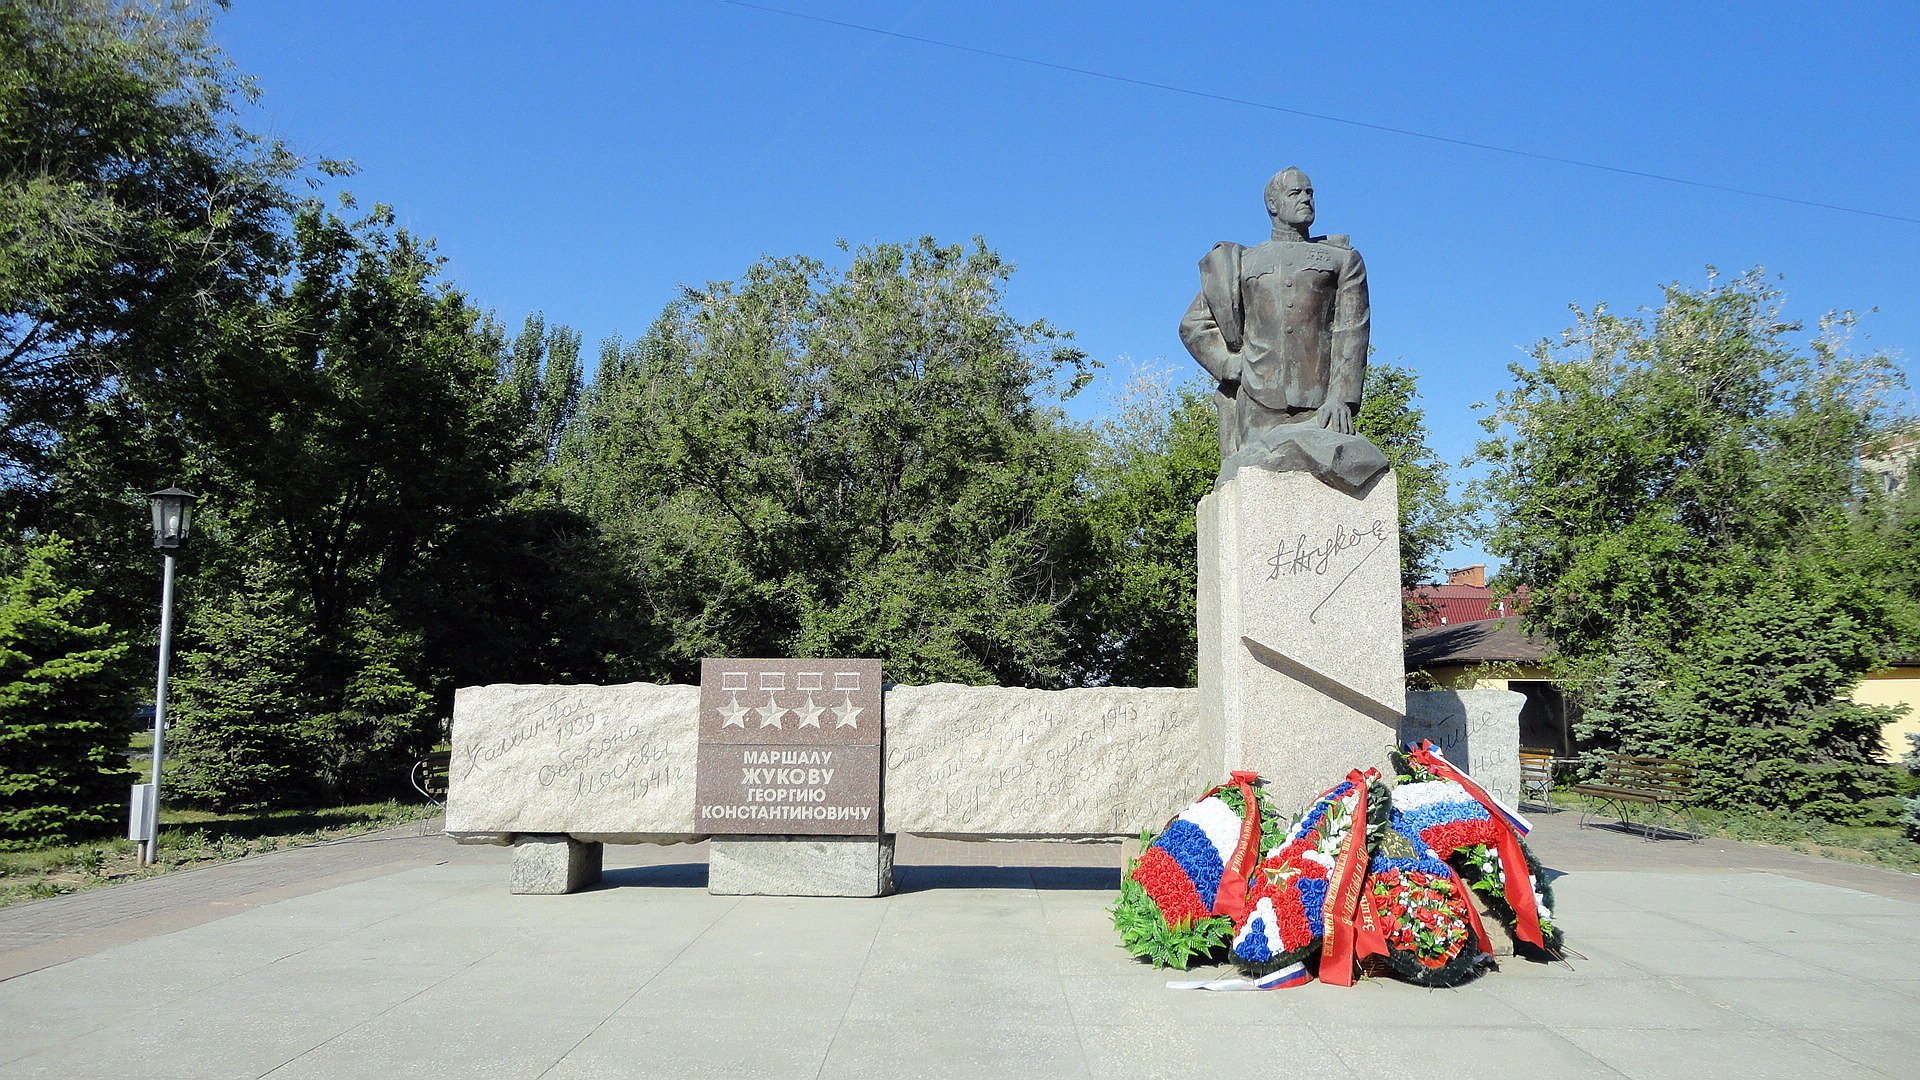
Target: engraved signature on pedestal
1321 555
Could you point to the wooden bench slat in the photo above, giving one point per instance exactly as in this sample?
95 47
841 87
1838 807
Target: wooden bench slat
1639 778
1618 793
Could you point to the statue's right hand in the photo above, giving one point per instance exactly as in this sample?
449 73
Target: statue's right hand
1335 416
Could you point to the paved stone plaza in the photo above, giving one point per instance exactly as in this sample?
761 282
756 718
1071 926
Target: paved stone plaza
404 956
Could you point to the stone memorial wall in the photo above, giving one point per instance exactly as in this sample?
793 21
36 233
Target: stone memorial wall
617 763
1004 761
556 770
1478 730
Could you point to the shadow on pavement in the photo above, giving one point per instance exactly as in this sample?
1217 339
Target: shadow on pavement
663 876
1643 832
912 879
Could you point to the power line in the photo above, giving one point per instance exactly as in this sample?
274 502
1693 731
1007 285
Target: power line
1326 117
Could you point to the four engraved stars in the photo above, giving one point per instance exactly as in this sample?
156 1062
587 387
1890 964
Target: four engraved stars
773 714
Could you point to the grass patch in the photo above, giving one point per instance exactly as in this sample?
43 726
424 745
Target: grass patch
190 838
1875 845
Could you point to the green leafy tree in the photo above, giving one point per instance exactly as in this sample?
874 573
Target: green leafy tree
132 207
354 436
352 417
1679 491
819 461
64 708
1392 419
1133 607
1760 697
542 379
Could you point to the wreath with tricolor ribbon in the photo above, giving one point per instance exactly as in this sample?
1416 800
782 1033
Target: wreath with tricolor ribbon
1366 871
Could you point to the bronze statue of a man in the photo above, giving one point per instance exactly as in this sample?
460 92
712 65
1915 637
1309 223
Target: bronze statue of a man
1282 327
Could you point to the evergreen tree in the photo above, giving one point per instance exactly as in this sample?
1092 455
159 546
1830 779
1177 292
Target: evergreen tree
64 708
385 720
1623 703
244 705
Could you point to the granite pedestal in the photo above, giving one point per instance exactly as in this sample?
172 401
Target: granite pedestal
1301 670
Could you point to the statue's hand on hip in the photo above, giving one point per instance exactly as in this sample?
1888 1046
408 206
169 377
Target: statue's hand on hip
1335 416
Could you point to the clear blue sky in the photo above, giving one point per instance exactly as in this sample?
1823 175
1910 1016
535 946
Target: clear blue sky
585 159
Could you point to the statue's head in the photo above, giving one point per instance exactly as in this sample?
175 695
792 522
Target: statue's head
1290 198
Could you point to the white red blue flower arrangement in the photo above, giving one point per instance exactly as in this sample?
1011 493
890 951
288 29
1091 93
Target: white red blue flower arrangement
1368 878
1181 899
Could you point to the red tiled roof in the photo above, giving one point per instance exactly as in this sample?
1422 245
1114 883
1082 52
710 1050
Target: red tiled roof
1450 605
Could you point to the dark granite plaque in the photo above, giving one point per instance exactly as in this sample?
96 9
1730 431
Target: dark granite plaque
789 747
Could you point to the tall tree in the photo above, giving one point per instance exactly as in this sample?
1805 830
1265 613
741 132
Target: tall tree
1153 460
352 416
132 206
812 461
352 432
542 379
1430 521
1678 489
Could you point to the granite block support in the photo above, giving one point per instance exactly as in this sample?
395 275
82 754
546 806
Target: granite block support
550 865
800 865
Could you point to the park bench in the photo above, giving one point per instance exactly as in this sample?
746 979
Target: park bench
1628 780
1536 773
429 776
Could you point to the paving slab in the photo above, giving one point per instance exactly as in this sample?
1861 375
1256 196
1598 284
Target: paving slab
1692 960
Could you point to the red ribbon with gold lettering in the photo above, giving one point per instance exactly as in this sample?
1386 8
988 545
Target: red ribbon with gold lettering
1231 898
1346 898
1513 863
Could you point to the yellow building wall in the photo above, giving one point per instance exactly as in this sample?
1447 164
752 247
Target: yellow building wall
1485 677
1894 687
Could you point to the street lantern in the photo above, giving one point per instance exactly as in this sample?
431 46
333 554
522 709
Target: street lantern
172 518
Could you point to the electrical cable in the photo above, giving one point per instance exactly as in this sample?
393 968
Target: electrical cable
1326 117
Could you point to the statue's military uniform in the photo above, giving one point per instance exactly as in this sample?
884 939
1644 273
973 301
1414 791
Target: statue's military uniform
1282 327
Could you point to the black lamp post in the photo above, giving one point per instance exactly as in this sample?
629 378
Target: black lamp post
172 518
